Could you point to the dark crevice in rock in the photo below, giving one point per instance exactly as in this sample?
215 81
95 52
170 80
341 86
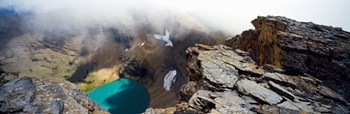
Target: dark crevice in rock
292 71
248 73
280 90
283 100
255 98
280 82
299 48
213 86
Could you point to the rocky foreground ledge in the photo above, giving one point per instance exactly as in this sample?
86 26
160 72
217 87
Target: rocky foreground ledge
45 96
283 66
227 81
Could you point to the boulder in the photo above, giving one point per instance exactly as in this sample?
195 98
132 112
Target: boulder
45 95
16 94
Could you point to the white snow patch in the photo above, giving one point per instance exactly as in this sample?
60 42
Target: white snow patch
143 43
127 49
169 79
165 38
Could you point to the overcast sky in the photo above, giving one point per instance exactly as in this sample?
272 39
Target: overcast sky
232 16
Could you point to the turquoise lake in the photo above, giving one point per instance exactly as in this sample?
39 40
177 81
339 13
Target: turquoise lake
121 96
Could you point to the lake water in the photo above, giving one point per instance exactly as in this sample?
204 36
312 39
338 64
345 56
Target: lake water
121 96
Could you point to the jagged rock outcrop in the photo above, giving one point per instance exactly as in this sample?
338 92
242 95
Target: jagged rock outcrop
181 108
300 48
224 80
45 95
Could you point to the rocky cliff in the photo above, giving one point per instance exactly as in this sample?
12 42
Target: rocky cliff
283 66
45 95
225 80
300 48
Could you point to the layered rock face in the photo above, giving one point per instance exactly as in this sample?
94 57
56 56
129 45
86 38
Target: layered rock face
299 48
224 80
48 96
283 66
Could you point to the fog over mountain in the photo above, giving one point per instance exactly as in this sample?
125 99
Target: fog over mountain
94 42
226 15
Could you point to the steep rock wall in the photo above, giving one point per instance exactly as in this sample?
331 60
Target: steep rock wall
299 48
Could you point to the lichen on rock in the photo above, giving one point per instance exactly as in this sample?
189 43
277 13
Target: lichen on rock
223 80
45 95
299 48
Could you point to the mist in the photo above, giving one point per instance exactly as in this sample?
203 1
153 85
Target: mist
91 42
228 16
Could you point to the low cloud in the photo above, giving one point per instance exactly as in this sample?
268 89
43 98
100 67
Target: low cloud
229 16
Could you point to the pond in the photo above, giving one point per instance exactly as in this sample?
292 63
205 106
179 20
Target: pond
122 96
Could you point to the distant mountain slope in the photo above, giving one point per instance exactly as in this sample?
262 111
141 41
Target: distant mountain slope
98 55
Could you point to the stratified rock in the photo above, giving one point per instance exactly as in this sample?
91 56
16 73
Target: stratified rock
288 105
178 109
220 102
42 95
255 89
188 90
15 95
249 99
330 93
217 74
280 90
268 109
252 88
299 48
219 66
281 78
223 80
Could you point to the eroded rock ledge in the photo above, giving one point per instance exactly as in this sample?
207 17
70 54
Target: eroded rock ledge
48 96
301 67
300 48
224 80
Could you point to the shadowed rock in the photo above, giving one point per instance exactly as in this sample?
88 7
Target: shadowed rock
254 89
299 48
281 90
15 95
42 95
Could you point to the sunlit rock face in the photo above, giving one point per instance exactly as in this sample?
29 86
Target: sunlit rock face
300 48
228 81
276 72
